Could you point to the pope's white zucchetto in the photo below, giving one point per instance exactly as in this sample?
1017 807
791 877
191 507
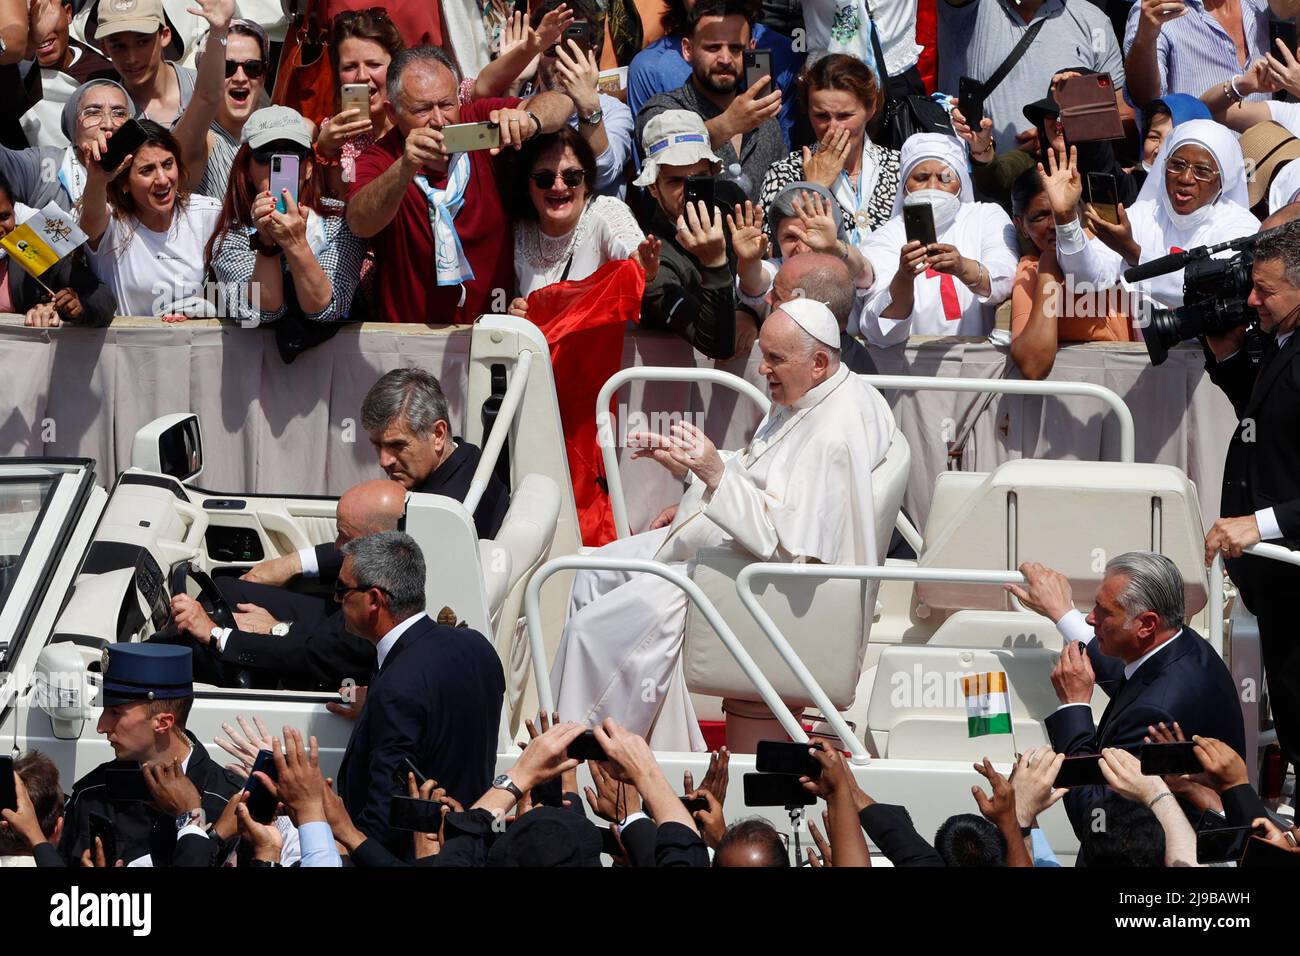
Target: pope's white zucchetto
815 319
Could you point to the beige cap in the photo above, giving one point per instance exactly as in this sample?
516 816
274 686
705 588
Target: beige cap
128 16
673 138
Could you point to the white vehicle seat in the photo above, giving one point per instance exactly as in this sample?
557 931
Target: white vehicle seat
822 620
521 545
918 710
1030 510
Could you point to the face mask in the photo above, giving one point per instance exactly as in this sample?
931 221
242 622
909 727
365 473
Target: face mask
945 206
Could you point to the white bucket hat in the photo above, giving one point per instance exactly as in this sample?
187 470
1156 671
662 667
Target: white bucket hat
673 138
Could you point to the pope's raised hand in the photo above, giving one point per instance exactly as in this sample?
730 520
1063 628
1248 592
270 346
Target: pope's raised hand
693 449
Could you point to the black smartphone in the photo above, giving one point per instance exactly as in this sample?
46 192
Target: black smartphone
783 756
261 801
576 30
1259 852
776 790
412 813
1222 844
126 785
1103 194
8 789
970 100
102 827
586 747
695 804
918 223
758 64
1082 771
1285 31
701 189
405 767
125 139
1160 759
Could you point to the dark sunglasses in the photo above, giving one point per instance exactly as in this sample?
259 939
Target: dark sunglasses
544 178
341 590
252 68
348 16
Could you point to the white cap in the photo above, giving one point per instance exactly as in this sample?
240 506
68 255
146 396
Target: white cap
673 138
815 319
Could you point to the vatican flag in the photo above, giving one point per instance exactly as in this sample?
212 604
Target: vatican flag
43 238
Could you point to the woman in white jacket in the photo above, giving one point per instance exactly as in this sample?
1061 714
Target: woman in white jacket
951 286
1195 195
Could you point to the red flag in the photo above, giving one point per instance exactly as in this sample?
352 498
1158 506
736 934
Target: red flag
583 321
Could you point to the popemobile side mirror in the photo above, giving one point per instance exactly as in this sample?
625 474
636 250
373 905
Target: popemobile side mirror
171 445
61 687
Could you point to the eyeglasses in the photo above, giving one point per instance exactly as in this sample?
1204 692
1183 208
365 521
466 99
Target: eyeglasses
252 68
544 178
1202 173
341 590
92 116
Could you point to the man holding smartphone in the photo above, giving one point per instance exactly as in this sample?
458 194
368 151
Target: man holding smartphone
420 205
742 125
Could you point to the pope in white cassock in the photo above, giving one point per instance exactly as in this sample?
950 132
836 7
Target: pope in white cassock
800 491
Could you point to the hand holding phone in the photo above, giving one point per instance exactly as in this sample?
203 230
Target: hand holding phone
757 64
1103 196
8 789
918 223
126 139
261 801
356 96
1084 771
284 178
970 100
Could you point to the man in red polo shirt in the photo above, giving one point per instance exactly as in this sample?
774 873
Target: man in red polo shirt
441 237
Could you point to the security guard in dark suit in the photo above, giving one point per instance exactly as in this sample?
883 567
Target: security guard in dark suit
147 694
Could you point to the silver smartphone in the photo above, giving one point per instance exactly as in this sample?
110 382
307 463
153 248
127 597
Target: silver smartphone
356 96
467 137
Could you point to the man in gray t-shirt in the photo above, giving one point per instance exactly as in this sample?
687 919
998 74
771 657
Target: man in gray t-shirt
975 36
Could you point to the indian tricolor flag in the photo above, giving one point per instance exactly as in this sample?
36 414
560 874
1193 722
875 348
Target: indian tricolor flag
988 707
43 238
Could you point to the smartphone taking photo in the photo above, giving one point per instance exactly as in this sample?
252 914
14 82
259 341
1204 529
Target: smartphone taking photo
918 223
284 176
758 64
261 801
1103 196
468 137
126 139
784 756
356 96
970 100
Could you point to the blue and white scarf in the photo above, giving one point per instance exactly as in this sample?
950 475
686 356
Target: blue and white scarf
444 204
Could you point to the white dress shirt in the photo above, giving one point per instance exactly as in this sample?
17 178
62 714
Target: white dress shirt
388 640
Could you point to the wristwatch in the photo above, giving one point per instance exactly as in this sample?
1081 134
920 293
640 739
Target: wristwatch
214 638
504 782
194 816
594 118
279 629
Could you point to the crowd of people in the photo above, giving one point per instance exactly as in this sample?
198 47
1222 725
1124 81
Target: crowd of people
459 159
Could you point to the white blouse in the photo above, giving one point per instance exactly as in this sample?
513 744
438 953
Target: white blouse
982 232
606 230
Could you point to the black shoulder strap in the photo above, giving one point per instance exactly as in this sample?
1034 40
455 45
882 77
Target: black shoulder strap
1012 59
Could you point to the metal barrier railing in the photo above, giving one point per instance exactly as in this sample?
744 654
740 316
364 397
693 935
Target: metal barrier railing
609 446
768 694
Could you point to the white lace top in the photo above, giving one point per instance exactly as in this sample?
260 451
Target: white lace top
606 230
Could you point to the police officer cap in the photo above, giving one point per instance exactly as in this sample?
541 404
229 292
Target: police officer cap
146 672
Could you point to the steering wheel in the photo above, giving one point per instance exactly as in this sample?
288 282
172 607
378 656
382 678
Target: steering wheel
210 596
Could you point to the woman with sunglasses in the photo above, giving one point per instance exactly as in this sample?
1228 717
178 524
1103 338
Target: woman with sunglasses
562 231
145 231
362 44
950 286
242 93
1194 195
304 260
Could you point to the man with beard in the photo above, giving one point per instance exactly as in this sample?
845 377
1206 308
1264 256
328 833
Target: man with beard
743 126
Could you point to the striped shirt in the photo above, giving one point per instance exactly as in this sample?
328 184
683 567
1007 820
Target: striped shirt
1194 51
221 156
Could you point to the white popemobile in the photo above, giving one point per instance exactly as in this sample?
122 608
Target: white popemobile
787 647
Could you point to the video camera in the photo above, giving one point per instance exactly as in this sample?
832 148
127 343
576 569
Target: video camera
1214 294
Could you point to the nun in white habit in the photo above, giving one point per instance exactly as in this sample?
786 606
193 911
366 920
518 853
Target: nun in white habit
1195 195
952 286
800 490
